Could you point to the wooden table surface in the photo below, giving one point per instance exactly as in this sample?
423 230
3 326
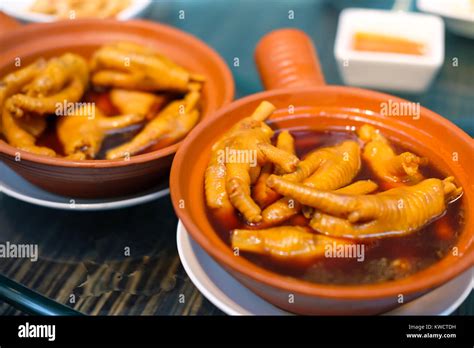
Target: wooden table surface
83 261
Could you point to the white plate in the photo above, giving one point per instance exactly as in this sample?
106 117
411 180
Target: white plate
458 14
16 186
20 9
233 298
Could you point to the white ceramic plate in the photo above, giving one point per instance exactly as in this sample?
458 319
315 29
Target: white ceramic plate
233 298
458 14
20 9
15 186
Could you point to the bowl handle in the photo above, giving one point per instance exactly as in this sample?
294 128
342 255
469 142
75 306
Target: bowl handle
7 23
286 58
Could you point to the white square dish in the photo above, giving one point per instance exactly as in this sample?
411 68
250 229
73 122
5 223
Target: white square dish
389 71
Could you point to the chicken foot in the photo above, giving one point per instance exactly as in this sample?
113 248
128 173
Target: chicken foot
396 212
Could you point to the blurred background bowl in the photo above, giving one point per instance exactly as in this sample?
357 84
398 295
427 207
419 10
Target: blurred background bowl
107 178
458 14
20 9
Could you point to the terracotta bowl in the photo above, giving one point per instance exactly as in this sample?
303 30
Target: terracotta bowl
287 60
103 178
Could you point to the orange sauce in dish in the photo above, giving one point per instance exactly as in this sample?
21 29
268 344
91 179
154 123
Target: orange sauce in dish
373 42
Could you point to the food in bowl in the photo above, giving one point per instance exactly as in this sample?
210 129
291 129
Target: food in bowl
127 100
80 8
303 203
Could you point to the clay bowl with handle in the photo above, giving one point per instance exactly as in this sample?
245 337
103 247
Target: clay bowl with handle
290 71
106 178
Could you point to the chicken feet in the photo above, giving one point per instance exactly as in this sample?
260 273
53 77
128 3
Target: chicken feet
170 125
82 134
261 193
384 162
250 139
325 169
132 66
396 212
22 133
293 243
66 77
